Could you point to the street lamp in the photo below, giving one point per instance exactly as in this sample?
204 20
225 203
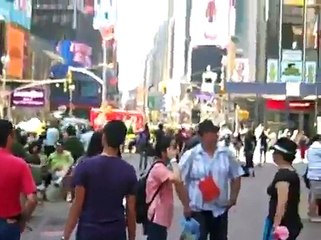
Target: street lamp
5 59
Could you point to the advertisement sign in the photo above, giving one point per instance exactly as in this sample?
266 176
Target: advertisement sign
75 53
291 71
241 72
30 97
15 46
104 13
212 22
272 69
17 11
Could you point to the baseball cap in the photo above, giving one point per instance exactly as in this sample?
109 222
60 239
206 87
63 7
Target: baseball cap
207 126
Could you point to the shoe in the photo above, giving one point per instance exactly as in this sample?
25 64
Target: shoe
315 219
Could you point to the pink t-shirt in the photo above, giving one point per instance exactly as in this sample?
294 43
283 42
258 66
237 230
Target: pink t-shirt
162 208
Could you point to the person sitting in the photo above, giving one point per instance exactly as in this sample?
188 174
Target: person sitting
59 163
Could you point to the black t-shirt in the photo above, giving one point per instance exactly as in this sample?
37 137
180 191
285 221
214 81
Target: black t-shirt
291 216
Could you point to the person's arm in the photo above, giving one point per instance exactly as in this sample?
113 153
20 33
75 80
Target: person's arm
30 191
79 181
131 206
235 174
282 189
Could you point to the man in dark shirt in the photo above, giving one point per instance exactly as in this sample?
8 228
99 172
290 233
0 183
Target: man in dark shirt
101 184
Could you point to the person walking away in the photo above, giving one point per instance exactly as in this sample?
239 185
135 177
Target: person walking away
212 177
15 179
314 178
142 144
101 183
249 148
263 147
284 192
159 191
52 136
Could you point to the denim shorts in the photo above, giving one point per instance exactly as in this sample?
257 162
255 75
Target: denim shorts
9 231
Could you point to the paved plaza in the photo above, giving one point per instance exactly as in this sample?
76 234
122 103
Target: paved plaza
246 219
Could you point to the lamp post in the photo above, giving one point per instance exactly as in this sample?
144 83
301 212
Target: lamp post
5 59
70 87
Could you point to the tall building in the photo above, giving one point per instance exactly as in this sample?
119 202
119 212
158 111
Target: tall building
276 59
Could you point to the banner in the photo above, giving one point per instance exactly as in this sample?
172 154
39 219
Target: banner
30 97
15 48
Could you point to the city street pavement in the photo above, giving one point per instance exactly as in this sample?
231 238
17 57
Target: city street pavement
245 220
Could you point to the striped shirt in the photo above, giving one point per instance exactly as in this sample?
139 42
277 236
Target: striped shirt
314 161
196 164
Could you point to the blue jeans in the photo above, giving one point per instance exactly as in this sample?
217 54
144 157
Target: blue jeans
9 231
156 231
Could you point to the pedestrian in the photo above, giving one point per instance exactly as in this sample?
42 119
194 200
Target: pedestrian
142 144
249 149
263 147
159 191
284 192
15 179
52 136
212 177
314 179
101 183
159 135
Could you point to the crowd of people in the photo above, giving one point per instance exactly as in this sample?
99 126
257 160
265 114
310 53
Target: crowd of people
198 164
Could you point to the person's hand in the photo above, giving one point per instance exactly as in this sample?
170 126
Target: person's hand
231 203
187 212
172 152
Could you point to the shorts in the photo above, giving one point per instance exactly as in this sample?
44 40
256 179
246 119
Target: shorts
315 189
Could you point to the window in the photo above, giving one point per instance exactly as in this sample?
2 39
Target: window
88 89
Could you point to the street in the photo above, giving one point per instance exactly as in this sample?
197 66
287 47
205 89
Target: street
246 219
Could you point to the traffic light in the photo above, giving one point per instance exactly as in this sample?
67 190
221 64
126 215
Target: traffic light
68 81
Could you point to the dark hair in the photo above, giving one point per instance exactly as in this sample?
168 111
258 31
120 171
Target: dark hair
165 143
115 133
32 145
71 131
6 128
95 146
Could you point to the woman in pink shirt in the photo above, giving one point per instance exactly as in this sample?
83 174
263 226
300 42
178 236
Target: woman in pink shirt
161 210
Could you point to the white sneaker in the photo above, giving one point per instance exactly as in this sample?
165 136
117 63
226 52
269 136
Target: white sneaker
315 219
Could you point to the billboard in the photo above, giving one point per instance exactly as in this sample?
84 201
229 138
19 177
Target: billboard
104 13
212 22
17 11
30 97
15 47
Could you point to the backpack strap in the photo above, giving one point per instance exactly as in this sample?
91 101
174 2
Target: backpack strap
160 186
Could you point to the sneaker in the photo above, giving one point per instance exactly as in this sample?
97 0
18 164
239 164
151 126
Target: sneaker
315 219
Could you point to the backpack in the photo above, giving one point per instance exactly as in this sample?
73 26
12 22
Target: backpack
141 205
